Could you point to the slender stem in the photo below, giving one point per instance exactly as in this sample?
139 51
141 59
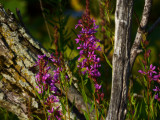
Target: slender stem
95 106
85 101
129 98
154 25
44 109
67 103
44 17
148 97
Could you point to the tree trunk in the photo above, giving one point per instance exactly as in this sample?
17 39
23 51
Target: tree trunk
18 54
121 60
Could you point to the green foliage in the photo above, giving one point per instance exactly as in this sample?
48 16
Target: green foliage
5 115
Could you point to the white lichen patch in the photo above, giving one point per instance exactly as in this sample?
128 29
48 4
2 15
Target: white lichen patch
19 112
34 103
23 32
32 81
23 84
31 58
13 41
33 42
1 96
7 77
19 62
1 85
27 63
2 18
44 52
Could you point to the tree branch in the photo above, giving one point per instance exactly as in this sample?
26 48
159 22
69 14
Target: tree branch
154 26
141 30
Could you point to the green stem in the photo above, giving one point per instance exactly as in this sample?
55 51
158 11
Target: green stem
85 101
95 106
44 109
67 104
148 97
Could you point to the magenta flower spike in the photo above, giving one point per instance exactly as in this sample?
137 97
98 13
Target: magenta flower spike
88 61
152 75
88 44
45 81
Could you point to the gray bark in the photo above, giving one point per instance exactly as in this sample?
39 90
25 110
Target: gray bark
141 30
124 57
18 53
121 60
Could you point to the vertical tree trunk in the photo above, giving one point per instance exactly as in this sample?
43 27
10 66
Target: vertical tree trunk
121 60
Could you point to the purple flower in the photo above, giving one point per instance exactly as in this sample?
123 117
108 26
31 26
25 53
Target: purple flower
41 56
47 82
149 72
156 96
97 86
142 72
156 89
51 111
89 62
57 113
87 45
156 77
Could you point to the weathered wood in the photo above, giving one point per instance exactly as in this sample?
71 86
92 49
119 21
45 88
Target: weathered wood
141 31
18 53
121 60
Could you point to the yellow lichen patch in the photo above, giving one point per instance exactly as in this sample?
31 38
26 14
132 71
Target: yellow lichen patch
18 77
18 68
6 33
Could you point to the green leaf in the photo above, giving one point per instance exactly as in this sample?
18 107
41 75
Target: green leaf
35 116
92 87
92 107
107 60
100 115
73 104
145 81
74 32
132 100
63 106
52 50
86 115
37 94
66 20
84 96
136 108
67 40
143 67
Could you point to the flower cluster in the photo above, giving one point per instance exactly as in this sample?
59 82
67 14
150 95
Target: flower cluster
88 44
46 82
152 75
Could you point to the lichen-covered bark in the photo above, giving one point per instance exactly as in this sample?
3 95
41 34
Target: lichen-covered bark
18 53
121 60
